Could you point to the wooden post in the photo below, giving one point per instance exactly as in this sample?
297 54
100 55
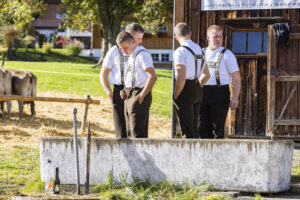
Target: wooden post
86 109
87 168
271 81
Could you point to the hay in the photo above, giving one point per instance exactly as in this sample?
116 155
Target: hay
56 119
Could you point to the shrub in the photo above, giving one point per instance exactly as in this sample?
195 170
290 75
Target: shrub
47 47
74 47
9 34
28 40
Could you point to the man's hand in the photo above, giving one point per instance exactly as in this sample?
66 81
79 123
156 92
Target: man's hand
141 99
123 94
234 104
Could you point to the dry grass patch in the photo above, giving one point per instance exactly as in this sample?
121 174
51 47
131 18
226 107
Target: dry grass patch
56 119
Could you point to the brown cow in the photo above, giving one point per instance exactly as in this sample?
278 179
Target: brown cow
5 89
24 84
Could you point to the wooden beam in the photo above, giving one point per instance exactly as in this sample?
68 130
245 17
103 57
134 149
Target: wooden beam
48 99
287 102
294 36
272 51
287 78
288 122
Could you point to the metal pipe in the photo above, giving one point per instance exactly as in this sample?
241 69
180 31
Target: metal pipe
76 151
87 168
173 116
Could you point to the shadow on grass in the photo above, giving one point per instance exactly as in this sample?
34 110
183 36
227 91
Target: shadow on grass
34 55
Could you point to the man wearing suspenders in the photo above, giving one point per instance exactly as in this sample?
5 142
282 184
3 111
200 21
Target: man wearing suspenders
216 101
139 80
189 68
114 66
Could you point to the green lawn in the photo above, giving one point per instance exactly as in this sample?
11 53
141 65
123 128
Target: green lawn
82 79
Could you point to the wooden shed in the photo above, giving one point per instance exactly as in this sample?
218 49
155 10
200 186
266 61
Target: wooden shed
269 101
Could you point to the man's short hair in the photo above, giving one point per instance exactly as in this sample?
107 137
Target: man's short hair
182 29
134 27
213 27
124 36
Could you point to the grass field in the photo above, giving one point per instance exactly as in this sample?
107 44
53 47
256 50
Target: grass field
82 79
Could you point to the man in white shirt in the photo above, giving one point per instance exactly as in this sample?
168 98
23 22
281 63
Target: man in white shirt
113 72
216 101
189 68
139 80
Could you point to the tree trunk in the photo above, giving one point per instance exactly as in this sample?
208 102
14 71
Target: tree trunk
111 26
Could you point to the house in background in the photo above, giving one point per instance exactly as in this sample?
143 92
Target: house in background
160 46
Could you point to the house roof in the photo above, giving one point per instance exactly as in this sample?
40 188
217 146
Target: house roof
49 23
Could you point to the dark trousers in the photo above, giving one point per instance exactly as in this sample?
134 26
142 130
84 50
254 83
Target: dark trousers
118 112
187 108
136 114
213 111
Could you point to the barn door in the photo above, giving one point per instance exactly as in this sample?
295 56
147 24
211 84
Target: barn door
283 85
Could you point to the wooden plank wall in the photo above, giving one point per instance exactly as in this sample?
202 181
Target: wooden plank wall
250 116
288 63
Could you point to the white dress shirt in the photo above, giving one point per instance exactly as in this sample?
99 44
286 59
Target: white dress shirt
228 65
112 61
142 61
185 57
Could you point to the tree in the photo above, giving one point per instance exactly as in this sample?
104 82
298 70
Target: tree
109 14
16 14
19 12
154 14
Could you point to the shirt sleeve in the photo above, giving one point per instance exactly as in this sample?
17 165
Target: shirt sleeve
145 60
109 58
231 62
178 58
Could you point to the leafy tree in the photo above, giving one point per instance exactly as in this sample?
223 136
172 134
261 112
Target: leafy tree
154 14
110 14
19 12
16 15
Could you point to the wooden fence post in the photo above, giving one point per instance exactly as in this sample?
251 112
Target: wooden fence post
86 108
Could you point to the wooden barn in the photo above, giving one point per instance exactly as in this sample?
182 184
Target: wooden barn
269 101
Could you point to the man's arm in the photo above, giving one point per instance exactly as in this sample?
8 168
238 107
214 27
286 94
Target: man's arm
205 76
104 81
152 77
180 82
236 81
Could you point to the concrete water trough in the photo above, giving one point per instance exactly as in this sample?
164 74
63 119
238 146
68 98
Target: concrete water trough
229 164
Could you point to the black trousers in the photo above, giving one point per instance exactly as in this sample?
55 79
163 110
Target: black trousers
213 111
136 114
187 107
118 112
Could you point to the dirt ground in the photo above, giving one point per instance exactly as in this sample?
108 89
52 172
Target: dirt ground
56 119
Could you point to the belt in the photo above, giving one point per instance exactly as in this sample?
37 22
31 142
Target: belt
118 86
133 88
216 85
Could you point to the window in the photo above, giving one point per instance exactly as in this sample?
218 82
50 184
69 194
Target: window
155 56
165 57
58 16
249 42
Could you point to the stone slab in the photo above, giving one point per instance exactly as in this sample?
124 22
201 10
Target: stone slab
229 164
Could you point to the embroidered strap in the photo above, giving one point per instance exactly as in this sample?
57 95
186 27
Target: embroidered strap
132 68
196 57
216 65
122 60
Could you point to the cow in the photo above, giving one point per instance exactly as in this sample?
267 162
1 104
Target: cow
5 89
24 84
